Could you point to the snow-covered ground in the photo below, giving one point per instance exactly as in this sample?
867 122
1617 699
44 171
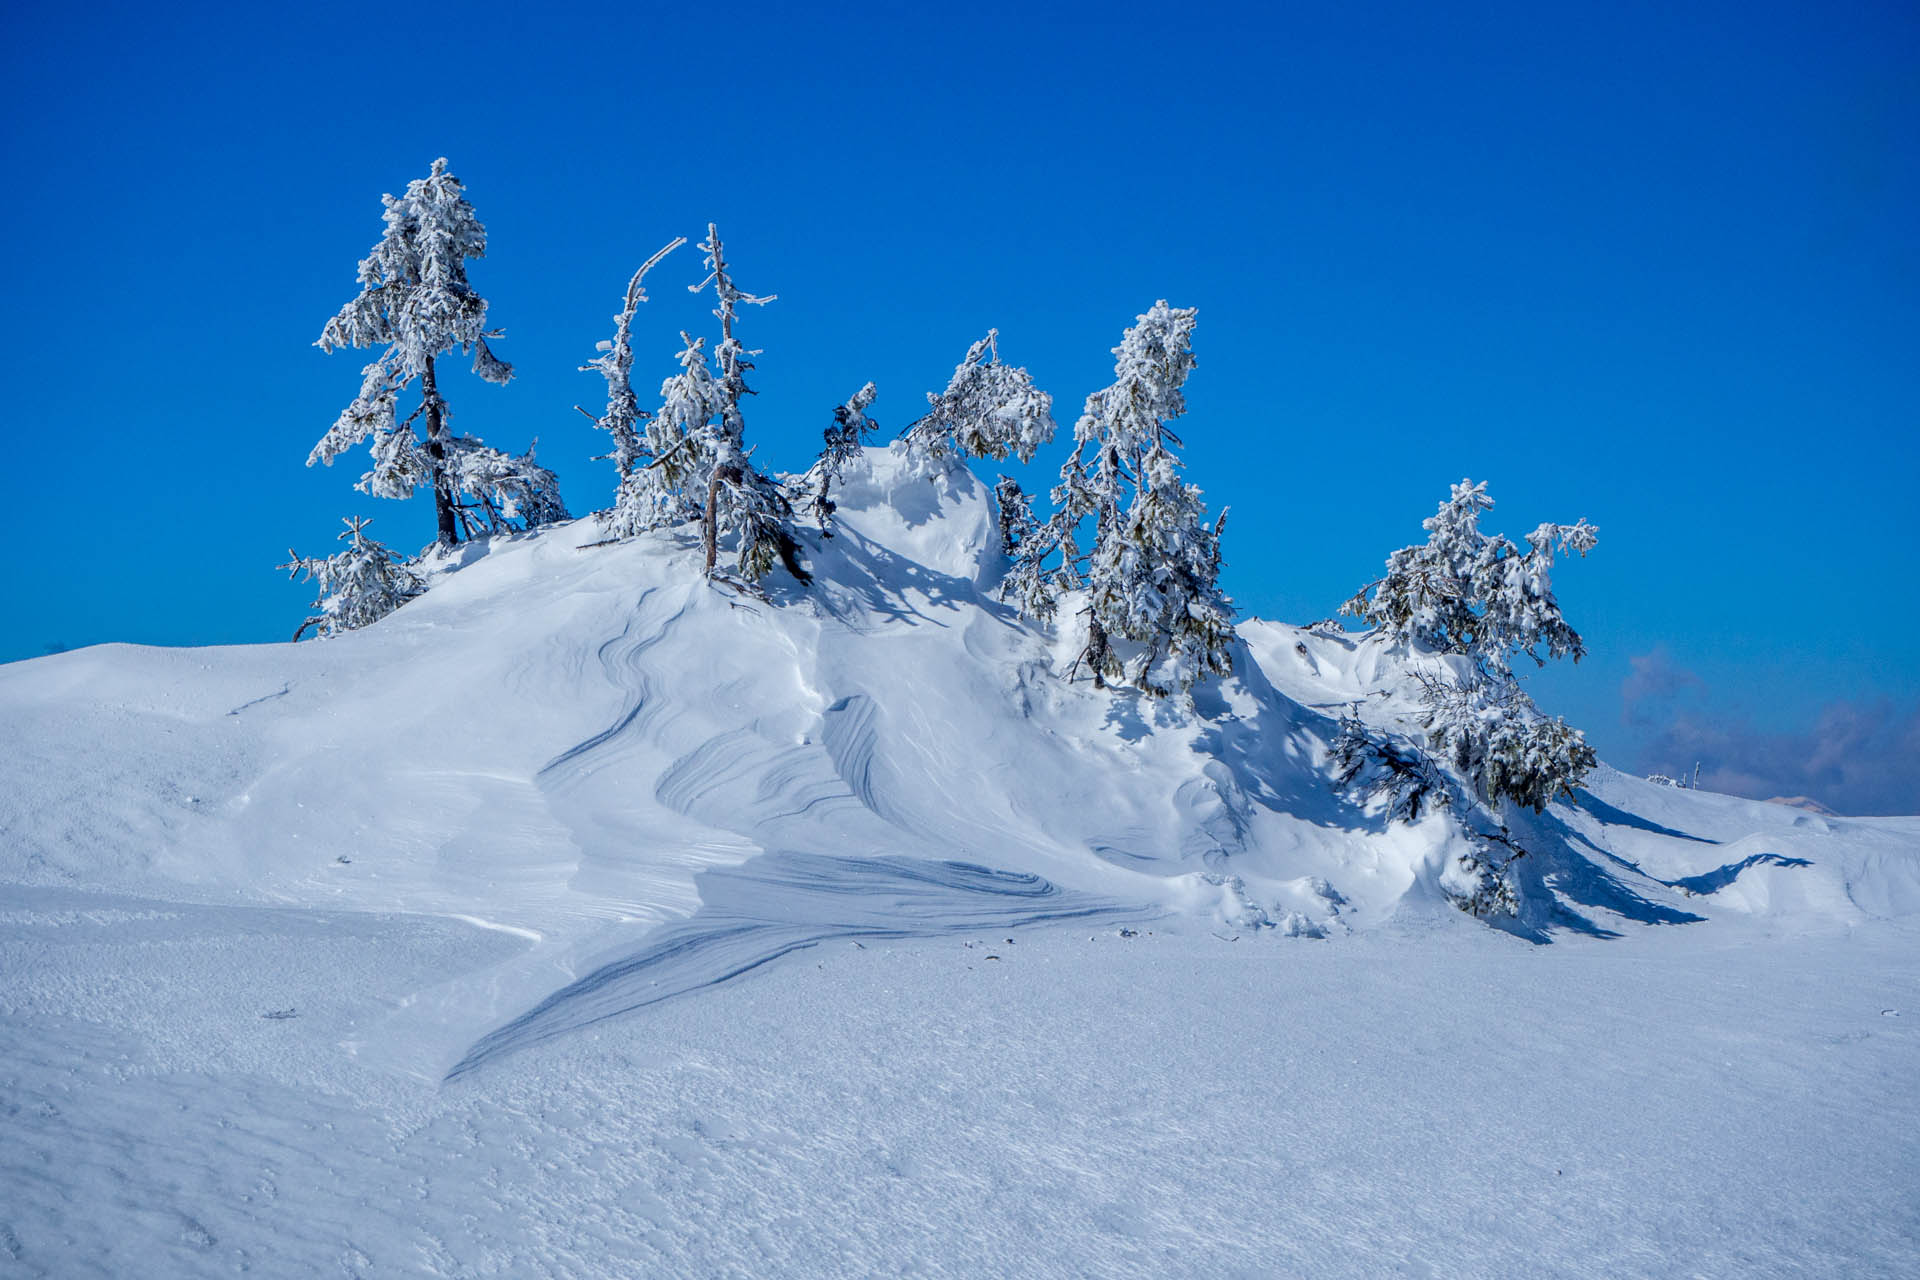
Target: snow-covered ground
583 919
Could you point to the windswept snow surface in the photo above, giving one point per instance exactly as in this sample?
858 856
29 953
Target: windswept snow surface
583 918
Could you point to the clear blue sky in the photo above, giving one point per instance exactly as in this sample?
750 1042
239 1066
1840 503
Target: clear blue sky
1654 265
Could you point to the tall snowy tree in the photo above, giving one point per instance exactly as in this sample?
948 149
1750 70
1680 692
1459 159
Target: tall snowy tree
1483 598
416 303
738 499
1151 573
989 410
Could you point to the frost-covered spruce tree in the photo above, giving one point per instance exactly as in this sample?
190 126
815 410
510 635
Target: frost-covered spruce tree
1479 596
1150 575
1467 592
850 429
359 585
635 506
416 303
990 409
738 498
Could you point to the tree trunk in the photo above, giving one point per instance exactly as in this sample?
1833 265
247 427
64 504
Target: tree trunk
710 522
437 455
1097 650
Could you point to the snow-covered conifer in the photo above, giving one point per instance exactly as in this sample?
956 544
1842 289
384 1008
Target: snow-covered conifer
1151 572
634 508
415 302
738 498
615 364
989 410
1480 596
1017 524
359 585
843 440
1467 592
659 493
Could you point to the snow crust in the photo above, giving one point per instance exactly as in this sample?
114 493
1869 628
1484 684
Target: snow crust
415 952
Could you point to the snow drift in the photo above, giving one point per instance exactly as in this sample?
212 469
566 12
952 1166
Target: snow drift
651 784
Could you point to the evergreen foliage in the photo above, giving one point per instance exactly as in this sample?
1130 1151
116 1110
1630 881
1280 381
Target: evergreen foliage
1494 737
1466 592
503 493
357 586
1378 766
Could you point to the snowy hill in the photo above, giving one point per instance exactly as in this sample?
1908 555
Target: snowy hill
574 790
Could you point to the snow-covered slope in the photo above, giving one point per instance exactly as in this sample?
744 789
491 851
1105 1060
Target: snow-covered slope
617 784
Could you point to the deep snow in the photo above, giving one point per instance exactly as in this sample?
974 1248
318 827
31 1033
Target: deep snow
585 919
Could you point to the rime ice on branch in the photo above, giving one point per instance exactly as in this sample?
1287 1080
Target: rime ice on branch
989 410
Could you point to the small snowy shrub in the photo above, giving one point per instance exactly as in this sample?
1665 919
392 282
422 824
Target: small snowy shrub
502 493
359 585
1481 884
851 426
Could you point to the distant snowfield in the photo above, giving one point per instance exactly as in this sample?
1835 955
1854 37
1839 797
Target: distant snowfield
585 920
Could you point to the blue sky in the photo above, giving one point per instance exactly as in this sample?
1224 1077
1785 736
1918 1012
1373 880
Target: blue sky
1654 265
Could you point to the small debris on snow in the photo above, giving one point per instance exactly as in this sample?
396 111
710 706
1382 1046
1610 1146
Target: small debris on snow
1889 1013
1129 933
280 1015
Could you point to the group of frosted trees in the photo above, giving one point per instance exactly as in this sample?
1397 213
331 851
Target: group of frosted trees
1128 540
1125 544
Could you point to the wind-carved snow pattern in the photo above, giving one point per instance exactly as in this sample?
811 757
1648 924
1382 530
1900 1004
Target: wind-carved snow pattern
782 902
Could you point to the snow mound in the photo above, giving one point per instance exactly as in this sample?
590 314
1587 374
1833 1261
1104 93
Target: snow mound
650 784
